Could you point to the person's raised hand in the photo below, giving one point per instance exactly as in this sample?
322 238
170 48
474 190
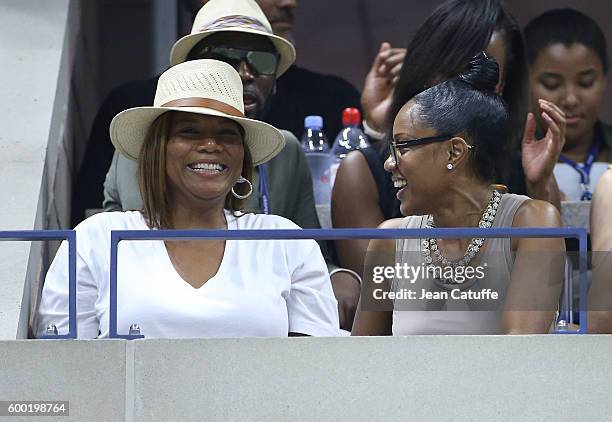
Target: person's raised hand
380 83
539 156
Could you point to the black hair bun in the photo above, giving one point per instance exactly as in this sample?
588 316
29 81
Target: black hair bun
481 73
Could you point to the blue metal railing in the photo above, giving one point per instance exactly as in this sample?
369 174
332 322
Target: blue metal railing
336 234
70 236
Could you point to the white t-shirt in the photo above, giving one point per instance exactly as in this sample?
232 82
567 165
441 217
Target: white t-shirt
263 288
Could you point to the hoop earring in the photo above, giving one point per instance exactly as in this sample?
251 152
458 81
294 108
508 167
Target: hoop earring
240 181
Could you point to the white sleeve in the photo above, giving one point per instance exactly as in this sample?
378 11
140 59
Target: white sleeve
311 304
53 307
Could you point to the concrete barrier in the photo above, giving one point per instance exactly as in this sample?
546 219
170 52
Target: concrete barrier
90 374
49 98
35 55
459 378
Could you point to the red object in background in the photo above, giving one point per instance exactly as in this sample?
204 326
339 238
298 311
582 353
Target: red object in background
351 117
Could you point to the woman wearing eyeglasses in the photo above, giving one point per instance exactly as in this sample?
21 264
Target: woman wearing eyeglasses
447 148
440 48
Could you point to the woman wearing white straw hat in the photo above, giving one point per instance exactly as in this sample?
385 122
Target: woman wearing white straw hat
195 152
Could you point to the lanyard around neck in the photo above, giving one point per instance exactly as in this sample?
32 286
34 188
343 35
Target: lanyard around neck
584 169
264 198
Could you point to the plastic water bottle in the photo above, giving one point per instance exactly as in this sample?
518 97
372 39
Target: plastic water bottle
350 138
314 144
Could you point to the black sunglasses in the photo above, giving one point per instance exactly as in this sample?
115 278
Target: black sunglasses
261 62
398 146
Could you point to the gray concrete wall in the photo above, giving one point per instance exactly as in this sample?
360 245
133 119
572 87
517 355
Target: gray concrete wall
91 375
33 37
458 378
47 109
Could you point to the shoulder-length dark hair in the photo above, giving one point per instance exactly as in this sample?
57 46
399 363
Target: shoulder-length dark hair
152 175
443 45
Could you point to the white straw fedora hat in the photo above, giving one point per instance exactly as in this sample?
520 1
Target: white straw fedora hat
207 87
236 16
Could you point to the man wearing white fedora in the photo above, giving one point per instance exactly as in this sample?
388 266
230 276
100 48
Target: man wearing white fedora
238 33
299 93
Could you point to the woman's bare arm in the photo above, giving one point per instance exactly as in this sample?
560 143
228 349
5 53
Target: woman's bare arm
600 293
354 205
369 322
537 274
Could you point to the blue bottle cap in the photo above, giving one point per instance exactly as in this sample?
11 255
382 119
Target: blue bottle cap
313 122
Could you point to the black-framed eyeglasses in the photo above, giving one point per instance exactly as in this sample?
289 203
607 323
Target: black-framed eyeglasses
261 62
398 147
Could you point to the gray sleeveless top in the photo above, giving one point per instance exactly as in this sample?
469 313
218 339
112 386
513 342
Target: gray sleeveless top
442 308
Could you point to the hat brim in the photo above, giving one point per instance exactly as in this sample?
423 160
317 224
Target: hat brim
129 129
286 50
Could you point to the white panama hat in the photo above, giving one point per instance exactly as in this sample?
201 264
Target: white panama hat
235 16
207 87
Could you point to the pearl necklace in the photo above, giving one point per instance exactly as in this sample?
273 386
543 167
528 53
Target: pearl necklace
431 245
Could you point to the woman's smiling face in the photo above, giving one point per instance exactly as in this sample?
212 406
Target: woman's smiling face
204 158
420 171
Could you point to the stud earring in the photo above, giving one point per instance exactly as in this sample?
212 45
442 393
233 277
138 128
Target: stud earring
449 166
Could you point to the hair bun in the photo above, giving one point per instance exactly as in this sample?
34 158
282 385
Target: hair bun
481 73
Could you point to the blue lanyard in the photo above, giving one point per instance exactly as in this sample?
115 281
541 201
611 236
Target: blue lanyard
264 198
584 169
